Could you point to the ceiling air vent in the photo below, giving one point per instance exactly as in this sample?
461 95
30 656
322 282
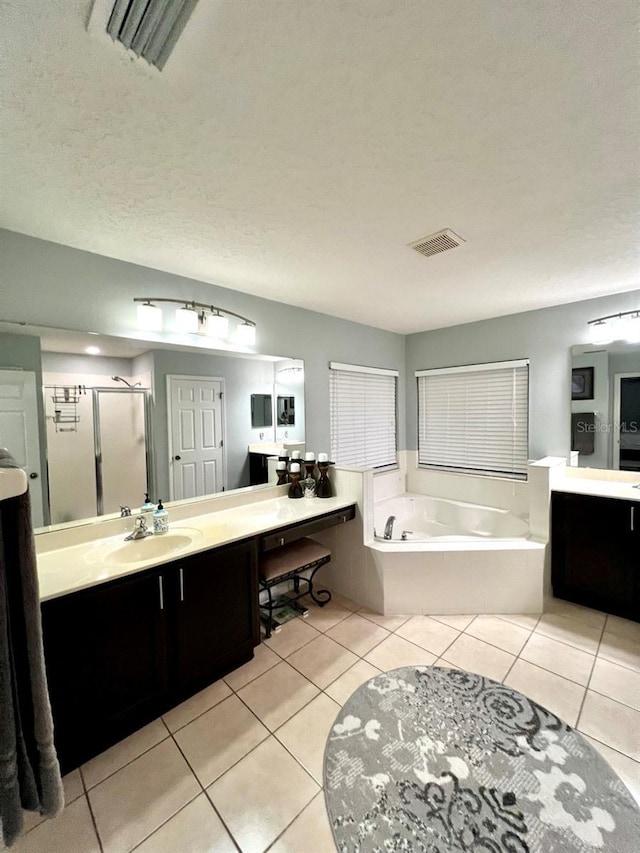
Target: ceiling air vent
441 241
149 28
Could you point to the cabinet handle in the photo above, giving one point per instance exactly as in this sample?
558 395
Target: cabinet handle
281 540
633 519
161 585
181 584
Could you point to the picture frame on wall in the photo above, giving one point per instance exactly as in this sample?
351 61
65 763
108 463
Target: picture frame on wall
582 383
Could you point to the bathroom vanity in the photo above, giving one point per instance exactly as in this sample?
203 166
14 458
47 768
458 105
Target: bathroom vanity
595 548
123 650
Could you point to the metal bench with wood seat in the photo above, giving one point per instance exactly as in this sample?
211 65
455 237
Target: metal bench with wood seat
288 563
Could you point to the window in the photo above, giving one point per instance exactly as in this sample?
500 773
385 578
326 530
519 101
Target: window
475 418
363 415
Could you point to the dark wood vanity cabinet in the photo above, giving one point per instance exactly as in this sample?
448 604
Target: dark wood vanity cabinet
123 652
595 552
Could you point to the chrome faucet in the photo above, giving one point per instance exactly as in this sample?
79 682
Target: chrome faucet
388 528
140 529
125 511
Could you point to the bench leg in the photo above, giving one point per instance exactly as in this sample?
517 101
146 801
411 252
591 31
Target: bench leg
320 596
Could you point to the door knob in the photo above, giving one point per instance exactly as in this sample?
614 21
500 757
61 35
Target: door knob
33 475
177 458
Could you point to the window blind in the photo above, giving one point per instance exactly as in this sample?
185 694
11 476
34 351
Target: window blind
475 418
363 415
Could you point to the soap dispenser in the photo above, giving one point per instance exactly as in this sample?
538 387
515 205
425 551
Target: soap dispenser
148 506
160 519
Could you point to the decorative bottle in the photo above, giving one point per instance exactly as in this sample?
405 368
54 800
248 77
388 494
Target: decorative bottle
295 488
147 507
309 483
281 471
324 489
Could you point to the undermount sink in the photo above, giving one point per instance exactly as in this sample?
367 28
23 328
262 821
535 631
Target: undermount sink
123 552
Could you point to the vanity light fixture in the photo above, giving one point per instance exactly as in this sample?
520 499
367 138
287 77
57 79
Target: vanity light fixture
624 326
194 318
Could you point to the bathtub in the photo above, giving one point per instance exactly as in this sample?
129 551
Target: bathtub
447 557
419 518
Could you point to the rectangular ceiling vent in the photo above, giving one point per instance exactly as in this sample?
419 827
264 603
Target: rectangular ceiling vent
441 241
149 28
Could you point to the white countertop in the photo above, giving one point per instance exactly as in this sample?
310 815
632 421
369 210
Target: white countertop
597 488
80 566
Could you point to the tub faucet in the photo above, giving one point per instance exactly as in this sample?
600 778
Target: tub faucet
140 529
388 528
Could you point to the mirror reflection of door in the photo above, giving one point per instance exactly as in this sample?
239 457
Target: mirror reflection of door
286 411
19 430
197 436
626 443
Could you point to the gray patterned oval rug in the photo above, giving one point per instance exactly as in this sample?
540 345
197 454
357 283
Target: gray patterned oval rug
438 760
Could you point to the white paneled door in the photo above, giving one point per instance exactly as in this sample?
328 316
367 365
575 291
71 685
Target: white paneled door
197 436
19 430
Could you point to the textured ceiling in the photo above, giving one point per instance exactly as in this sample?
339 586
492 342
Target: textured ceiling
292 148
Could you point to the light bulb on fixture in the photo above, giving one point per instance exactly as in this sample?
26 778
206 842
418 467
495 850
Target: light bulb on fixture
187 320
246 334
630 328
92 350
601 332
149 317
217 326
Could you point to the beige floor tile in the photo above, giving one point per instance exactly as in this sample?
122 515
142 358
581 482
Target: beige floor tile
136 800
616 682
325 617
557 657
391 623
611 723
575 611
627 769
187 711
223 735
427 633
620 650
312 822
195 829
259 797
122 753
322 661
505 635
623 628
455 620
73 787
445 664
357 634
477 656
263 659
523 620
278 695
291 637
396 651
342 688
305 735
571 631
557 694
70 832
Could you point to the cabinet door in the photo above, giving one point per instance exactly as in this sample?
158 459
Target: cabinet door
105 652
595 545
216 616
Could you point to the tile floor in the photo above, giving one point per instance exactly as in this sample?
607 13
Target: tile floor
239 766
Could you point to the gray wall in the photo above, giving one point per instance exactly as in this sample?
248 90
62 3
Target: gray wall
545 337
52 285
23 351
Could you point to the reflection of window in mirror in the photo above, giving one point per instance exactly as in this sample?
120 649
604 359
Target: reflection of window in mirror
286 411
261 415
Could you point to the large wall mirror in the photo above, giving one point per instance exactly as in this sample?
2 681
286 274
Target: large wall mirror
97 431
605 405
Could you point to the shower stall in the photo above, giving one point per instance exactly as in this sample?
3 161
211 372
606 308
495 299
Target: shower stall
98 449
